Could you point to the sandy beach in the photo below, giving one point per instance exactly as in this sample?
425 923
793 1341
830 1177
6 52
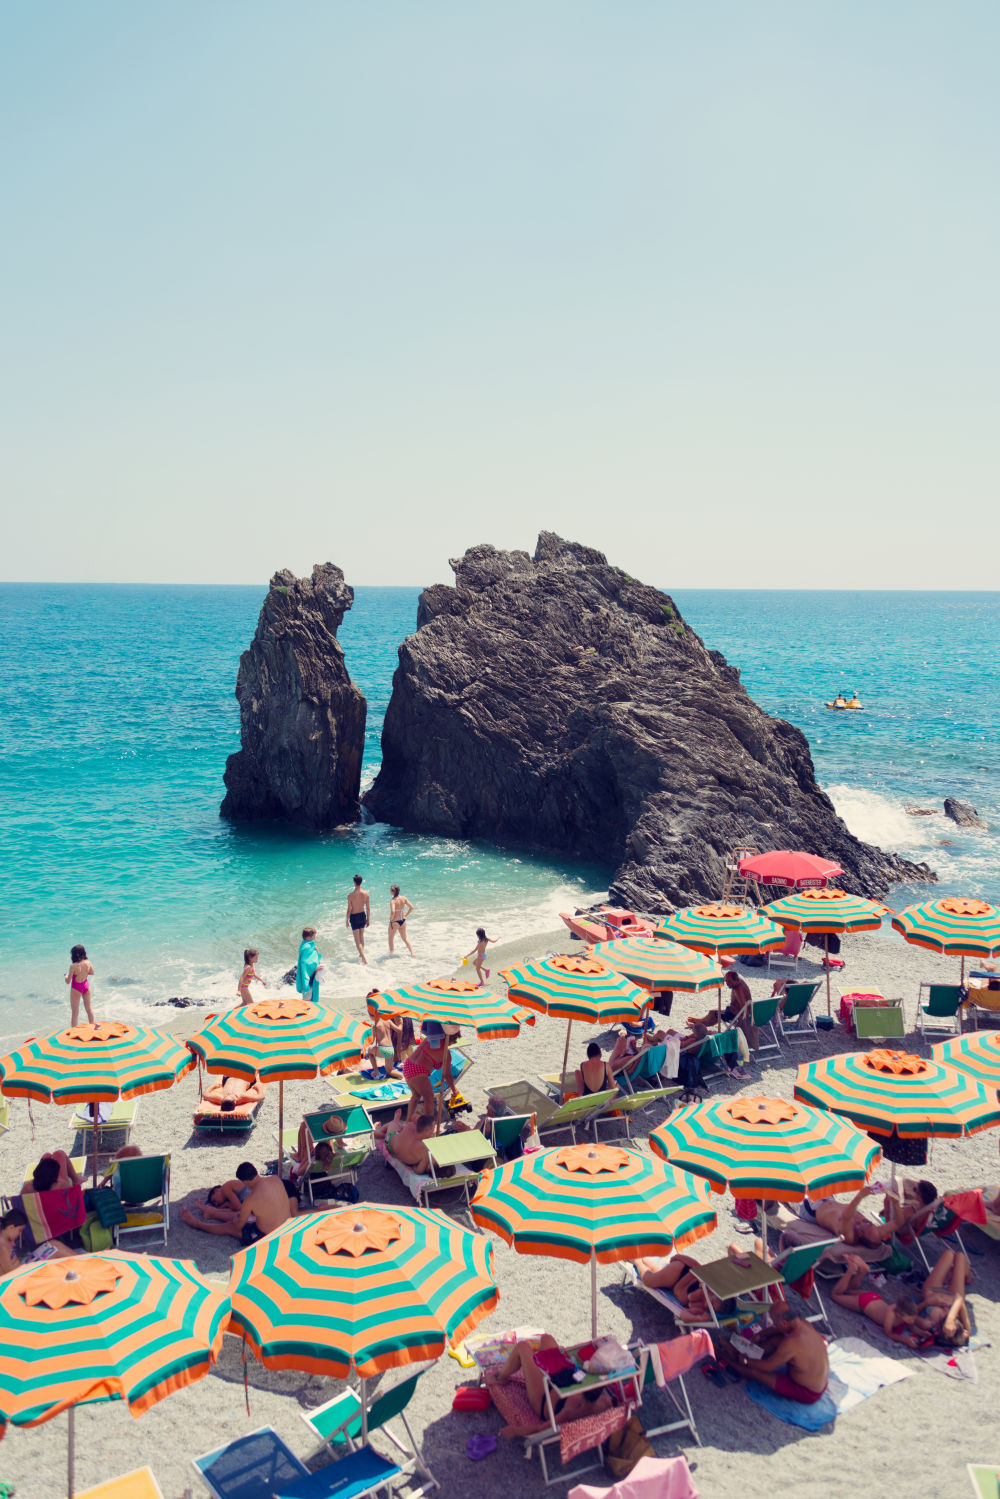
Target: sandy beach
914 1437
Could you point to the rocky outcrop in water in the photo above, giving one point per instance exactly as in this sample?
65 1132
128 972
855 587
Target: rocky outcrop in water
962 813
556 704
302 720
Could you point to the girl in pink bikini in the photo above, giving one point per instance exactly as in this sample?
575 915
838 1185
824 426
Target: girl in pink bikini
431 1054
81 971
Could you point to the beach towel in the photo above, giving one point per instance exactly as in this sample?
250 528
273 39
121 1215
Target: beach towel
305 970
678 1355
651 1478
856 1373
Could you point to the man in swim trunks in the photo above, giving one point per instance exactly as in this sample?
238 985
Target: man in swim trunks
265 1208
407 1141
795 1364
359 915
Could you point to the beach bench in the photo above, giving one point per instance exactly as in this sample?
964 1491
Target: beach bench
118 1116
262 1466
939 1009
794 1019
337 1427
143 1185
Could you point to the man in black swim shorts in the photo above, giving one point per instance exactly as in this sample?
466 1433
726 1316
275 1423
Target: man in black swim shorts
359 914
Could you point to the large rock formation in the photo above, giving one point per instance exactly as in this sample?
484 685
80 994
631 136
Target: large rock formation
556 704
302 720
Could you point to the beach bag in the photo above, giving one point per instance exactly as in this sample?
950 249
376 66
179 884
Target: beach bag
625 1447
94 1235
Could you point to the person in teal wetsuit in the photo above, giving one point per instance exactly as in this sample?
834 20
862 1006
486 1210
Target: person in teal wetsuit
309 966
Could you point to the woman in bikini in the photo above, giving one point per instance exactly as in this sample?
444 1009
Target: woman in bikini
942 1307
521 1359
399 909
898 1319
431 1055
594 1075
249 975
81 971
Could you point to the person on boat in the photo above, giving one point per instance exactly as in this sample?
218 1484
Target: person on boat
840 701
854 701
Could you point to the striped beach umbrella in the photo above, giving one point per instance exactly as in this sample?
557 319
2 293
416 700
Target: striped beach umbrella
361 1288
574 986
767 1148
977 1055
593 1202
827 911
454 1002
789 868
102 1327
953 925
94 1063
655 964
719 927
884 1090
281 1040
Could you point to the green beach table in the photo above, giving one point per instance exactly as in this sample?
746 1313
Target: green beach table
725 1278
985 1479
460 1149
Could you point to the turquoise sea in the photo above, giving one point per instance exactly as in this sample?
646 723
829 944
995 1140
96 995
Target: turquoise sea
117 714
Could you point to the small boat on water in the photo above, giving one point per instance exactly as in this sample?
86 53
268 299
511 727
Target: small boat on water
606 925
842 704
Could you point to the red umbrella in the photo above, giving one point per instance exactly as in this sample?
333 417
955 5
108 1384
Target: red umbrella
792 870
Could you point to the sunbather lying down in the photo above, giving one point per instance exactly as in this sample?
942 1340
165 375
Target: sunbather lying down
942 1307
564 1407
898 1319
232 1093
676 1277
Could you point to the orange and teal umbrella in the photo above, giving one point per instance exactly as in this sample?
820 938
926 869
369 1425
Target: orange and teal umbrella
827 911
719 927
99 1327
884 1090
575 986
280 1040
953 925
977 1055
767 1148
94 1063
454 1002
360 1288
655 964
593 1202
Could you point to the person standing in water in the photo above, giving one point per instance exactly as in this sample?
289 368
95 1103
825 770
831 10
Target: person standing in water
399 909
81 971
359 915
478 953
309 967
249 974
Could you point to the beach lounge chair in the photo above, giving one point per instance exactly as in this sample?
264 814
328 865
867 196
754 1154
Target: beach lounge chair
623 1108
210 1118
571 1439
4 1115
559 1085
423 1185
786 957
648 1073
717 1054
764 1013
337 1426
261 1466
358 1131
139 1484
523 1097
794 1020
665 1365
939 1009
796 1262
460 1064
379 1099
142 1182
50 1215
569 1116
119 1116
505 1132
741 1316
940 1223
879 1022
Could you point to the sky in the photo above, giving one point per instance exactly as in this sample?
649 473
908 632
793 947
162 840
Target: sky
712 287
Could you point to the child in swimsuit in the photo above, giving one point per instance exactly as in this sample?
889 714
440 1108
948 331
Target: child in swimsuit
248 975
478 953
81 971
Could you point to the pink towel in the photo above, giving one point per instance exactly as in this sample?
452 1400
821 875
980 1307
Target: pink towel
511 1400
678 1355
651 1478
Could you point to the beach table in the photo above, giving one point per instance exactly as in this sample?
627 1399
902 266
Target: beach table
448 1152
726 1279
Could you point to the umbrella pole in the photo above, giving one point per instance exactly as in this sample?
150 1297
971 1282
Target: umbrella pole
281 1127
593 1295
364 1412
70 1454
569 1027
826 954
97 1125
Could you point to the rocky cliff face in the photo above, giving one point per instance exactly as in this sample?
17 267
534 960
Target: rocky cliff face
557 704
302 720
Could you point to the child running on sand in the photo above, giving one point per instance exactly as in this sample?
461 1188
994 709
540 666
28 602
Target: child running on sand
249 974
478 953
81 971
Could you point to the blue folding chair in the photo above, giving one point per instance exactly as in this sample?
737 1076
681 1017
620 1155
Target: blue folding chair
261 1466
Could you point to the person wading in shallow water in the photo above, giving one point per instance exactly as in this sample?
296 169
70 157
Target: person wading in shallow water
399 909
359 915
